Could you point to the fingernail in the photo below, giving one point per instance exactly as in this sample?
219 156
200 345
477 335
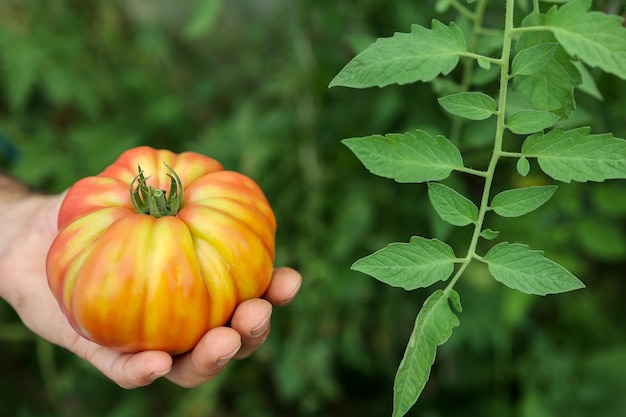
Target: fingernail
224 361
291 296
156 375
261 328
287 300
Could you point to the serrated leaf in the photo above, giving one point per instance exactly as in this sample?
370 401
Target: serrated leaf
420 263
597 38
530 121
551 89
469 105
452 206
517 202
523 166
408 157
404 58
575 155
533 59
526 270
433 327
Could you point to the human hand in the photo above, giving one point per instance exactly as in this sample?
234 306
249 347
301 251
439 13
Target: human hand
29 227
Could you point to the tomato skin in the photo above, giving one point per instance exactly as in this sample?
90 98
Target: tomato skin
133 282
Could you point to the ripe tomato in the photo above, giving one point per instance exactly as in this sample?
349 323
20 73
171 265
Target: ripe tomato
135 267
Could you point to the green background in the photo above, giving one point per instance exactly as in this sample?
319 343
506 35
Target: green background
246 82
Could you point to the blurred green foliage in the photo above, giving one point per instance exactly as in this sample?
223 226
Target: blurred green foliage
246 82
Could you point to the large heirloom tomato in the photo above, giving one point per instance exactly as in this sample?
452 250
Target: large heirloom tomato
158 249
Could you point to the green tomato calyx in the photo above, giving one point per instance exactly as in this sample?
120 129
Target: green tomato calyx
152 201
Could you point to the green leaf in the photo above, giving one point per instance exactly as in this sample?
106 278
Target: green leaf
442 5
517 202
551 89
420 263
530 121
469 105
523 166
575 155
452 206
203 18
408 157
433 327
489 234
588 85
404 58
597 38
520 268
484 63
533 59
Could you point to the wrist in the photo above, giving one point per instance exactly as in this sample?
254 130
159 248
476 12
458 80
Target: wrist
26 222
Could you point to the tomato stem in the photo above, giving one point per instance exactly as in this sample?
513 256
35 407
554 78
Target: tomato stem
146 199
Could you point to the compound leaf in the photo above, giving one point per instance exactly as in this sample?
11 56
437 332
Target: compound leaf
520 268
420 55
408 157
420 263
575 155
433 327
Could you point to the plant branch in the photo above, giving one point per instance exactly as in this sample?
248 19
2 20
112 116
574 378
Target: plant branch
506 154
497 146
471 171
463 10
468 66
540 28
496 61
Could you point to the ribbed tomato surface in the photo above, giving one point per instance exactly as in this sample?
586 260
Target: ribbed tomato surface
135 282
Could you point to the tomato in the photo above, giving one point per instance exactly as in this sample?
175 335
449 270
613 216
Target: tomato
158 249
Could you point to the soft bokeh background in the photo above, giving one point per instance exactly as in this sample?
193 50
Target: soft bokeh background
246 82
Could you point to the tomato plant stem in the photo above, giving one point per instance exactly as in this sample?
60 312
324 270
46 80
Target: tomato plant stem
146 199
497 145
468 64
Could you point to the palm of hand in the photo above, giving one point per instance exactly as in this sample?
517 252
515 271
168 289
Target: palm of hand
31 228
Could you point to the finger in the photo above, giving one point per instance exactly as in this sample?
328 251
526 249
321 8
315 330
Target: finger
252 321
129 370
207 359
284 286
